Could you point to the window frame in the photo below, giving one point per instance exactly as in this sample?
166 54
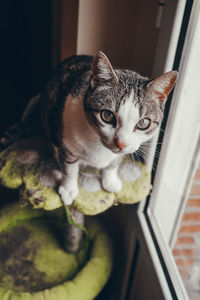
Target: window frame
159 250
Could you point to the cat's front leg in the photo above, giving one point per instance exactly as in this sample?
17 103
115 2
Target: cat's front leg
68 189
110 179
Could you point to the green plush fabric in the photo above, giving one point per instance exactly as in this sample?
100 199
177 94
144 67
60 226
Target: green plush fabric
26 165
33 266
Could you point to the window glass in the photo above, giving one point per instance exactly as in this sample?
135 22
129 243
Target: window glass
186 250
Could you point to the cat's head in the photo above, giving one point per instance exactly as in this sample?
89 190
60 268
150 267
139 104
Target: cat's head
125 108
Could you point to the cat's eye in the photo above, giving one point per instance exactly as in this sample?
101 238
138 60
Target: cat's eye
143 124
107 116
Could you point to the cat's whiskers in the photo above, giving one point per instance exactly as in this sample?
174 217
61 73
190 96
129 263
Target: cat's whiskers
138 158
152 143
162 130
156 152
146 155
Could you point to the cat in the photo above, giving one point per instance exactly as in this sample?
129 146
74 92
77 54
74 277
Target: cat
92 114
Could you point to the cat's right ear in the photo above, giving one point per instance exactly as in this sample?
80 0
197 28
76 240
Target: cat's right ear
102 69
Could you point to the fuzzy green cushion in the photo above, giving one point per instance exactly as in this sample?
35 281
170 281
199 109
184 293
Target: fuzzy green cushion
33 266
28 165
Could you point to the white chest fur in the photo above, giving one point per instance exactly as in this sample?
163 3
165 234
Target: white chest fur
81 139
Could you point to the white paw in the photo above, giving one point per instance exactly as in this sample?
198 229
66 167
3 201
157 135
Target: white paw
112 184
67 194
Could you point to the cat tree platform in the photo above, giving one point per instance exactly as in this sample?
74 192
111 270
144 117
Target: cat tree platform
33 264
29 166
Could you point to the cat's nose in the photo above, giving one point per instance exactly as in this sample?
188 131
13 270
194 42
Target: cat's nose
120 145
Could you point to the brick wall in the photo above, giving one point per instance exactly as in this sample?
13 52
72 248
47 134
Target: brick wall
187 248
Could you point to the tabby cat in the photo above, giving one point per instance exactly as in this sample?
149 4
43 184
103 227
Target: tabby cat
92 114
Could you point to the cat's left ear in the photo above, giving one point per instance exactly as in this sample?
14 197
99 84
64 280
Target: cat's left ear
102 69
162 85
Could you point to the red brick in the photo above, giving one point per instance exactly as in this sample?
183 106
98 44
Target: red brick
191 217
195 190
194 202
184 262
190 229
185 240
197 175
184 252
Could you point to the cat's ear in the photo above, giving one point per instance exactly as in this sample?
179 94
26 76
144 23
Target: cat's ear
102 69
162 85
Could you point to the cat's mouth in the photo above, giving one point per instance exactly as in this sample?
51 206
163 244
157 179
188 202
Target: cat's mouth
118 151
114 148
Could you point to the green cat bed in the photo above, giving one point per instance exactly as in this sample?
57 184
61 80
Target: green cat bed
29 166
33 265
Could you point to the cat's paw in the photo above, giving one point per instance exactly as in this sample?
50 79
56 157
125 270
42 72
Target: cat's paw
112 184
67 194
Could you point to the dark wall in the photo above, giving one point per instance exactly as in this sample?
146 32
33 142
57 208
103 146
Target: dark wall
25 54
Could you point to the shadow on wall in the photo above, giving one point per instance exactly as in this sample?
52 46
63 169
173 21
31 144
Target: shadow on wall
25 32
124 30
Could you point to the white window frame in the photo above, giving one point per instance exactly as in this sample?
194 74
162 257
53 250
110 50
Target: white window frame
183 118
166 200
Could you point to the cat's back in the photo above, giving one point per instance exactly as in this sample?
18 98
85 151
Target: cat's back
72 69
71 77
75 63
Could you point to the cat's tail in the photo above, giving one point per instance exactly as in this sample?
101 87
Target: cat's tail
25 127
14 133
